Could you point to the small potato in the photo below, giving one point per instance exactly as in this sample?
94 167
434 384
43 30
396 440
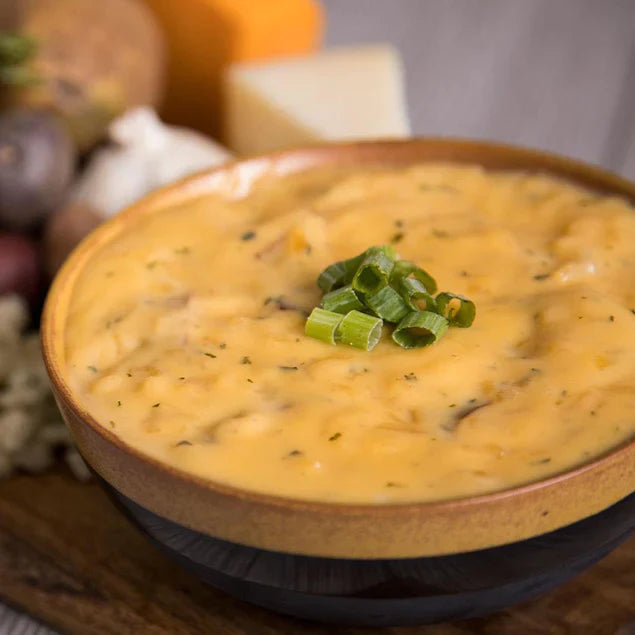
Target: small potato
19 266
64 230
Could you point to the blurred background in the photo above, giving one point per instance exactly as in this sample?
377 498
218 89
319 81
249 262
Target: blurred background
554 75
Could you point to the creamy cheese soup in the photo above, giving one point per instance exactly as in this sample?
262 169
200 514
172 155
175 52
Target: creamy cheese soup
185 336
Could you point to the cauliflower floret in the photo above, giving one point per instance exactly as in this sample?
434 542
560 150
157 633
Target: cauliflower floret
30 424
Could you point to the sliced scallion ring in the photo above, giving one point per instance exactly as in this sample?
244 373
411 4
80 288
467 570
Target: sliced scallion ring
458 310
387 250
405 269
363 292
415 294
360 330
419 329
322 325
339 273
387 304
374 270
342 300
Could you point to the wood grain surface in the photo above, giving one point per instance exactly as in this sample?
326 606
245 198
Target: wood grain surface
69 558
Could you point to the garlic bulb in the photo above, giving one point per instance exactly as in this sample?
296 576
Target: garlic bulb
144 155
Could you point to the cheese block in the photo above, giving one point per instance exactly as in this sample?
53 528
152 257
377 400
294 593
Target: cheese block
204 36
344 93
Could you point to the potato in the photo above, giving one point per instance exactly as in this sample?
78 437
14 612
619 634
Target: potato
19 266
64 230
93 60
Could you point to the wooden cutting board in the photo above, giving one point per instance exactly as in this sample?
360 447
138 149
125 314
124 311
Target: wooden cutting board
70 559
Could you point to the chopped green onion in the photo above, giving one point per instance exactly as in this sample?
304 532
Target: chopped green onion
405 269
419 329
360 330
341 300
387 250
333 276
374 270
412 290
339 274
322 325
397 291
387 304
458 310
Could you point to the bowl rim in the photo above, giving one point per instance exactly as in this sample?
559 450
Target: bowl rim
236 176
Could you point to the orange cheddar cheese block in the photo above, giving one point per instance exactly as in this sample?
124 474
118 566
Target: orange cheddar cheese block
204 36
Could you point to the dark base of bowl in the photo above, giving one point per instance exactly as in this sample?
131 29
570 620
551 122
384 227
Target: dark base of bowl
390 592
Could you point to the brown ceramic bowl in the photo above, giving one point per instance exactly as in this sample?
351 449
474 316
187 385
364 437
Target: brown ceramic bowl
403 563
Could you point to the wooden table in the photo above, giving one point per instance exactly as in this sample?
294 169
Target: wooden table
69 558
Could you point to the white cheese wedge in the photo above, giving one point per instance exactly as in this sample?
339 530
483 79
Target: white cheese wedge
343 93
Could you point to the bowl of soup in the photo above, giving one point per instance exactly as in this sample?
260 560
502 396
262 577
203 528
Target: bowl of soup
389 486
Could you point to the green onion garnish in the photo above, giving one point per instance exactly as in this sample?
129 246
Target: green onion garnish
414 294
375 269
405 269
322 325
362 292
458 310
341 300
360 330
339 273
419 329
387 304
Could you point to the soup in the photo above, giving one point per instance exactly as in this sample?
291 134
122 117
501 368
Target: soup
185 335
